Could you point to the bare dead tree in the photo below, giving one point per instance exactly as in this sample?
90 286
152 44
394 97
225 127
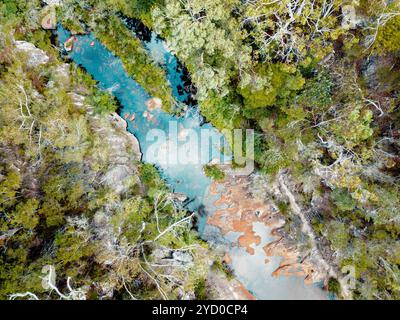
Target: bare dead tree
29 295
285 16
48 282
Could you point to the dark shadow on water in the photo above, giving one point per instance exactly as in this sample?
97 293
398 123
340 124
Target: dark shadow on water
143 33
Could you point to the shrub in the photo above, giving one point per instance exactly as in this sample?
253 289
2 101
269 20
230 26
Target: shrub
214 172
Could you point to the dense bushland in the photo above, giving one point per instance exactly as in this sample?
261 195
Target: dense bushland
65 232
317 80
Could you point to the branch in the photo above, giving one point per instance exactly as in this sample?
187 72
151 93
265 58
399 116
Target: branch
173 226
31 296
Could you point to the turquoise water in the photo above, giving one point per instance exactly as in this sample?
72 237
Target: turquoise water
160 54
175 137
166 141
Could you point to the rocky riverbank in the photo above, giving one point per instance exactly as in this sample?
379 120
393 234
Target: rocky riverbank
244 204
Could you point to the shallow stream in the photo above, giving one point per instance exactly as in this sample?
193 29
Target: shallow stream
156 132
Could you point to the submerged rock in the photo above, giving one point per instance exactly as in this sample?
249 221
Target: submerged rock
69 44
154 103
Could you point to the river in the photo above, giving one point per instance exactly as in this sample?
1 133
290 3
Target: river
188 178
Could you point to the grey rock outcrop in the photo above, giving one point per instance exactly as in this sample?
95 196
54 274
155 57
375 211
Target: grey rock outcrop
36 57
53 2
124 152
182 257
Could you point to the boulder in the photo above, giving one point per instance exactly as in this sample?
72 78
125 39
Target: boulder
182 257
77 99
215 161
53 2
179 197
49 21
118 121
350 19
61 74
161 253
134 145
124 151
122 138
116 176
36 57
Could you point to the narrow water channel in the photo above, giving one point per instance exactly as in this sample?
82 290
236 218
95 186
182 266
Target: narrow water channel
187 178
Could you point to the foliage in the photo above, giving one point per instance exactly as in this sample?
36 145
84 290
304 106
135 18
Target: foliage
55 209
283 79
214 172
201 290
316 112
111 31
318 83
218 265
389 36
102 102
334 286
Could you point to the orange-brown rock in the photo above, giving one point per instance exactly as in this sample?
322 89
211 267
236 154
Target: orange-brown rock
153 104
49 22
238 209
